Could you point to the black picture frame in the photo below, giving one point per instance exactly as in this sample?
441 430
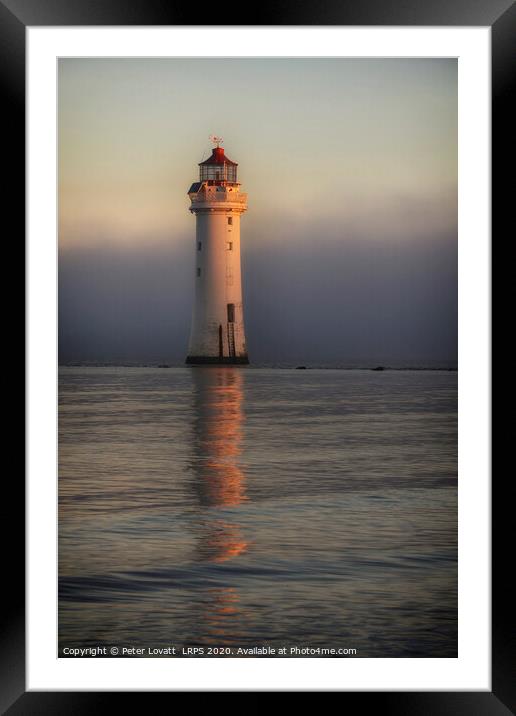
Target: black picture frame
500 15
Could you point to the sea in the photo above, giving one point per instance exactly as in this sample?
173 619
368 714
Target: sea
238 511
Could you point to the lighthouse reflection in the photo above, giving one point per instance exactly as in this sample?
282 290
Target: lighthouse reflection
219 485
219 478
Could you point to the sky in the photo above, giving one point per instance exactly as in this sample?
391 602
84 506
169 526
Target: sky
349 246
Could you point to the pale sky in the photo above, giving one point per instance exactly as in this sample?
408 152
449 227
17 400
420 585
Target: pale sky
350 166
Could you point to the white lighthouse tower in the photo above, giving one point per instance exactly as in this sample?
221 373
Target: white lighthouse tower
217 330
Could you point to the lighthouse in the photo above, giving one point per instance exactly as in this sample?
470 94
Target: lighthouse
217 330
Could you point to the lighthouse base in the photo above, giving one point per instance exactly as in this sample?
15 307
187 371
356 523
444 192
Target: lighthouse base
217 360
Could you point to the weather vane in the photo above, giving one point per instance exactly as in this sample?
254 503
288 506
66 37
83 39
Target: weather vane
216 140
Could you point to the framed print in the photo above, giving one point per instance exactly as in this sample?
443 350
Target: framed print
258 366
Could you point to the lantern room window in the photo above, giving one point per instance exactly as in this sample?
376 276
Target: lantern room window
218 168
218 172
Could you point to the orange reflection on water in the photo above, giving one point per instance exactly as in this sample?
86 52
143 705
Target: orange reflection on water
222 541
220 477
224 607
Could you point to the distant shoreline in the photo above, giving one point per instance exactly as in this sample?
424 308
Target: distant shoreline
258 366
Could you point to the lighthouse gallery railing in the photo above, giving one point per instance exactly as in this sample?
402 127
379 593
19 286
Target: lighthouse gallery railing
234 197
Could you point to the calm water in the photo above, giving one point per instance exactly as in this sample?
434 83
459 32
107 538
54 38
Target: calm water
246 507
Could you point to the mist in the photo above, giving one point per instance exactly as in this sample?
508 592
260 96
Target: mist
330 299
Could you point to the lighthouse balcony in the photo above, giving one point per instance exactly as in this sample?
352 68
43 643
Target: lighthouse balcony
205 195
